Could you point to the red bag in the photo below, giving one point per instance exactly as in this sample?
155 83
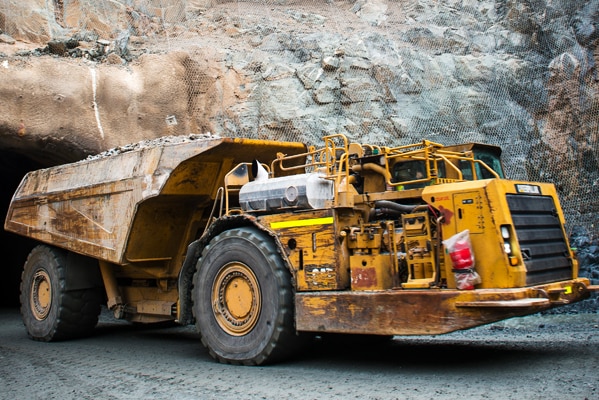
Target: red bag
462 258
459 247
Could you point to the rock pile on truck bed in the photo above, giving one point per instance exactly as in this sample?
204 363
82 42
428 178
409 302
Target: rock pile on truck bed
144 144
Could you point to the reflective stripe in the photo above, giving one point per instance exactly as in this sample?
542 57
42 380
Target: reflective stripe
301 222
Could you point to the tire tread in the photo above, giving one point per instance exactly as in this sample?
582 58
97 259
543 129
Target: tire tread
284 340
78 310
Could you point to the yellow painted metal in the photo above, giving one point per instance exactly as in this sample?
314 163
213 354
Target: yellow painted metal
137 206
155 307
40 300
147 303
420 255
371 270
366 240
114 298
309 240
481 206
236 299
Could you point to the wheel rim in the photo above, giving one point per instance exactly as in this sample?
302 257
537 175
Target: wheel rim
41 295
236 299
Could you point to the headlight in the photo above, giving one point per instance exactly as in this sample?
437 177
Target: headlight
505 231
507 248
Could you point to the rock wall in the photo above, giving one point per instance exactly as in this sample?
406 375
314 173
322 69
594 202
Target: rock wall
520 74
69 109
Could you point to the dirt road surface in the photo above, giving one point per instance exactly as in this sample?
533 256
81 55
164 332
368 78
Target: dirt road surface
536 357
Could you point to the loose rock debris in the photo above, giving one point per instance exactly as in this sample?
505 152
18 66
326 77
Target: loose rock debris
144 144
85 45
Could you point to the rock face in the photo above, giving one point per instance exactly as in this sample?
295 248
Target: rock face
520 74
75 108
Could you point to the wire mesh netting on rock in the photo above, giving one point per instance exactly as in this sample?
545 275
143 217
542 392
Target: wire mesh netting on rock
518 74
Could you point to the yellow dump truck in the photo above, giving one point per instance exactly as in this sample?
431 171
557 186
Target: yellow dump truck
263 243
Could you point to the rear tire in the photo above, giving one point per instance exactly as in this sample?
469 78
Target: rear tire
243 299
50 311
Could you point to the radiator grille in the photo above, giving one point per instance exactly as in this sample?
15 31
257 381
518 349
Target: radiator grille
541 239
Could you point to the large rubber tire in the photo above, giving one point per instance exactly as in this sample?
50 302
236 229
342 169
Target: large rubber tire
51 312
243 299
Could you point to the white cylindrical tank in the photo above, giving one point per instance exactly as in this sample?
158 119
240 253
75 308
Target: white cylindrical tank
305 191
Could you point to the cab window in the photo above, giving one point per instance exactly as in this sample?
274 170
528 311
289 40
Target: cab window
492 162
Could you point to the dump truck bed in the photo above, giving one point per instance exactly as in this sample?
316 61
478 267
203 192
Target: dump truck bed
105 207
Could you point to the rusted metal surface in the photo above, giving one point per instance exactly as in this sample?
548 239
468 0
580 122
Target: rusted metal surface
308 239
424 312
135 206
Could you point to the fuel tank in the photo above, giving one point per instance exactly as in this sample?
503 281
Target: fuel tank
304 191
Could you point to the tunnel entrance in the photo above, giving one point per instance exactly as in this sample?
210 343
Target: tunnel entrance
15 248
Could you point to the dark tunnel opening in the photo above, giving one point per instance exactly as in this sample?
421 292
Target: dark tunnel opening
13 167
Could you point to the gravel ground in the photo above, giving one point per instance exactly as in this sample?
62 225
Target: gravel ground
535 357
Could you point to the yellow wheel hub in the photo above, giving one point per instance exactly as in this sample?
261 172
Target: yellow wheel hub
40 298
236 299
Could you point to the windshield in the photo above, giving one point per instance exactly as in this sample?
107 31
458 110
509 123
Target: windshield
491 160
